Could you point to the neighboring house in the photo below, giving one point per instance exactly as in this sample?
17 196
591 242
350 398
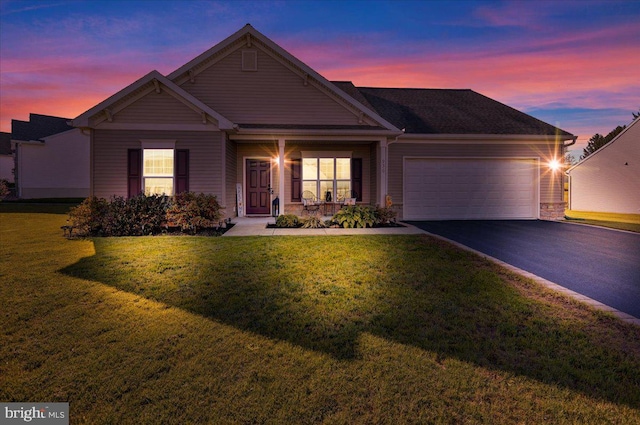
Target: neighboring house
608 180
6 157
51 158
248 122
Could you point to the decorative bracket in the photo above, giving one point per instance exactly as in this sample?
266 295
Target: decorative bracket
109 114
204 117
156 84
192 77
305 80
248 40
361 118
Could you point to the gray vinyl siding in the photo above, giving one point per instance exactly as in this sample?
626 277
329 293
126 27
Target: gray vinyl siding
157 108
110 159
231 153
271 95
551 189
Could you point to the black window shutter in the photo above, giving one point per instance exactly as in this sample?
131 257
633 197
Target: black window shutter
356 178
182 170
134 172
296 180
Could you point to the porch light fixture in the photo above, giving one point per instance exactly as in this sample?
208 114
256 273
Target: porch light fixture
554 164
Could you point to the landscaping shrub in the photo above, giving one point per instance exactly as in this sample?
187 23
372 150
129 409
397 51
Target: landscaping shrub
144 215
140 215
192 212
4 189
355 216
287 220
88 217
385 215
313 222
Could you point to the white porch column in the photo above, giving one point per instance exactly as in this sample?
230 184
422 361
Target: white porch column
383 178
281 144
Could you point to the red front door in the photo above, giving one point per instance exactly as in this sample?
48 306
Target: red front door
258 181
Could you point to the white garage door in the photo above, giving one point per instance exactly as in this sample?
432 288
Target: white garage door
468 189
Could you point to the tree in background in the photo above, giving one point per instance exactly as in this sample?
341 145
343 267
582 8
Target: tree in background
597 140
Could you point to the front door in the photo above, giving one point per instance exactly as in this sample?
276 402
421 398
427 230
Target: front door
258 180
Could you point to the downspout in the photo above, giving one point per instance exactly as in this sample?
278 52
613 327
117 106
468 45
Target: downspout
386 164
567 175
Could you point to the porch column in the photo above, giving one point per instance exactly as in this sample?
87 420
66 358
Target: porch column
281 144
382 171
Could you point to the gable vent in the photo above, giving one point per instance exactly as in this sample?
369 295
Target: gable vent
249 60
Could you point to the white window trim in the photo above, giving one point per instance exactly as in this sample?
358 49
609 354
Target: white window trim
326 155
151 144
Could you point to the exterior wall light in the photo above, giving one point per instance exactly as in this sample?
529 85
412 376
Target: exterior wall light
554 165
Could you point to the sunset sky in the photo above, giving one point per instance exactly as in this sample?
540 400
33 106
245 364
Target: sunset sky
572 64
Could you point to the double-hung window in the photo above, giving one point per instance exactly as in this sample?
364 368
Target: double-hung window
157 171
158 168
327 178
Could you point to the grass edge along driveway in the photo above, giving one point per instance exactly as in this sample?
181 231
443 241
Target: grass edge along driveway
374 329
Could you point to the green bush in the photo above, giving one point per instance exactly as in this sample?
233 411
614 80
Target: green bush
140 215
287 220
355 216
88 218
313 222
192 212
385 215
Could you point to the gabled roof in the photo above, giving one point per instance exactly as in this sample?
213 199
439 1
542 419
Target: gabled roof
447 111
83 119
5 143
605 147
250 34
37 127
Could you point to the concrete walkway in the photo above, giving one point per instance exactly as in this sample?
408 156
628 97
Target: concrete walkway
257 226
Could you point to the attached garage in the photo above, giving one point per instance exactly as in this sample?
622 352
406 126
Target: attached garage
470 188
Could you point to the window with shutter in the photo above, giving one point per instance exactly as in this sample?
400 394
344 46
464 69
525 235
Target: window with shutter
134 175
296 180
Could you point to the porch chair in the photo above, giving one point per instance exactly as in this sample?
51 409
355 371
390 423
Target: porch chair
349 198
309 203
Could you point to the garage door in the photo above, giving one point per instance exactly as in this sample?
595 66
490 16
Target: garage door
470 189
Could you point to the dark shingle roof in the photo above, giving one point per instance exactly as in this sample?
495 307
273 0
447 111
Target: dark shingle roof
5 143
448 111
38 126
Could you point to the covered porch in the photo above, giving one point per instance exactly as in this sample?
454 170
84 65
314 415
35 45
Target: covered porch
327 170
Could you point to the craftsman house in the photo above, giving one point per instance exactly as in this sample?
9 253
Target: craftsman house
249 122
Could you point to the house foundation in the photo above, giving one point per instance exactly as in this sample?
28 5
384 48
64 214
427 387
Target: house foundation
552 210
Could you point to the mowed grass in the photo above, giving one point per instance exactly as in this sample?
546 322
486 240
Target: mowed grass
384 329
630 222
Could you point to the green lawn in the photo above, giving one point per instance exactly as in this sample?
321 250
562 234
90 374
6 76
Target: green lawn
371 329
630 222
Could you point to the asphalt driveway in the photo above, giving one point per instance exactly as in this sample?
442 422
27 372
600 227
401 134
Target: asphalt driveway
600 263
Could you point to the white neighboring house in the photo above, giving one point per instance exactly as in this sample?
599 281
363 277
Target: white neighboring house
608 180
55 166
